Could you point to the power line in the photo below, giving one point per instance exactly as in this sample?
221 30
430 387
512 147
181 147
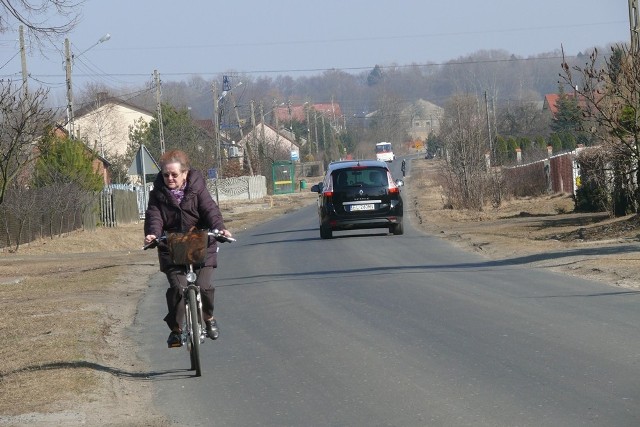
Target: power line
372 38
10 59
310 70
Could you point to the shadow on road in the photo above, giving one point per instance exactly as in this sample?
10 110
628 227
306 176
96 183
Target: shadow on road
170 374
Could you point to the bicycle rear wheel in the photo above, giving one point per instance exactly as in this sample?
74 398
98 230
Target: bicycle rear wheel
195 332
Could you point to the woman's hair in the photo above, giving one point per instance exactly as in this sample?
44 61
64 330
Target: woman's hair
175 156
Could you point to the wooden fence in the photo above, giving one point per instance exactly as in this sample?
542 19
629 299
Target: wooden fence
118 206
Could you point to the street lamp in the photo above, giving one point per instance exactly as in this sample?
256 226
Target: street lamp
68 65
101 40
217 124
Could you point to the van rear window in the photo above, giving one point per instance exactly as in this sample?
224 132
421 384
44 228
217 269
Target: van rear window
368 177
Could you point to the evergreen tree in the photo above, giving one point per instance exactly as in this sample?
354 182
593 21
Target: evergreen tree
555 142
568 117
65 161
375 76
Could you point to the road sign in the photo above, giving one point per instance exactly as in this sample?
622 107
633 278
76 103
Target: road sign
143 163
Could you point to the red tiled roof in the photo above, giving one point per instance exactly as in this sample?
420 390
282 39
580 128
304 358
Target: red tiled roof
551 101
298 112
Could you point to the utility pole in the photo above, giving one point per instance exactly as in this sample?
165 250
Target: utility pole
235 108
308 127
262 121
67 56
249 147
486 103
634 25
262 139
324 135
216 124
315 118
156 78
275 116
216 136
23 58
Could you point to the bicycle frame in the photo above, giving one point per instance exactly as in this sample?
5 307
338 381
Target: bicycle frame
193 331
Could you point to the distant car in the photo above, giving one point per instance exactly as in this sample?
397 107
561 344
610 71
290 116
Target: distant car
358 194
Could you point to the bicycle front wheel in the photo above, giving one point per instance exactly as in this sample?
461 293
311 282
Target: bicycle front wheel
195 331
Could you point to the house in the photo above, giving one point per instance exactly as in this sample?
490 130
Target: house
423 118
228 148
301 112
104 124
275 145
549 104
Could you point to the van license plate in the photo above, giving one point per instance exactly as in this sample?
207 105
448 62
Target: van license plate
367 207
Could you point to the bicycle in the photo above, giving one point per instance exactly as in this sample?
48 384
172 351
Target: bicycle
193 331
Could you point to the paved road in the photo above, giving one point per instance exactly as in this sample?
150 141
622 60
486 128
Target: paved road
369 329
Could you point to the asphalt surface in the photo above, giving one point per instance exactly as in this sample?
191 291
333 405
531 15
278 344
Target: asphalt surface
370 329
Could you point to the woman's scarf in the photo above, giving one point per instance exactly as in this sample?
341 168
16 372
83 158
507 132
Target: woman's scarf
178 193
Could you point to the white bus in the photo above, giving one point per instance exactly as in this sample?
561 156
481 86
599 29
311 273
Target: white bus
384 152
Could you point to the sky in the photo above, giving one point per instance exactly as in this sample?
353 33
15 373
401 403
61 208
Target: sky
286 37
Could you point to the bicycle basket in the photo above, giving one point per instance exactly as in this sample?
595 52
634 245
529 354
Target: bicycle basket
188 248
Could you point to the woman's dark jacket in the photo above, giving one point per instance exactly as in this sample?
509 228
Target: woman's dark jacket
197 210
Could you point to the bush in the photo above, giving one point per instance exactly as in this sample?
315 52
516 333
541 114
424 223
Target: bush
592 199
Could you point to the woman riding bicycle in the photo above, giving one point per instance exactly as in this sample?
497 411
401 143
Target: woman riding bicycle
180 202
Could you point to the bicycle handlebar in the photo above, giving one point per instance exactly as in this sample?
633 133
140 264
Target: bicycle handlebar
216 234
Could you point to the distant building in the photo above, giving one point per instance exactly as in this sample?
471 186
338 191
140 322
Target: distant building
274 144
423 118
104 124
298 113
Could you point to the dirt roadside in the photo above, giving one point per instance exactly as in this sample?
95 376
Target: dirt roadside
541 232
59 373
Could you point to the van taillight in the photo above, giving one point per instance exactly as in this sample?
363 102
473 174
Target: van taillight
394 190
328 194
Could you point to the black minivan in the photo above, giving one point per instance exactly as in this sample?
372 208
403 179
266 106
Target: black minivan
359 194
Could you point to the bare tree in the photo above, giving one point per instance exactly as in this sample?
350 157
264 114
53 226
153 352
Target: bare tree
19 209
610 101
465 145
43 19
387 122
22 122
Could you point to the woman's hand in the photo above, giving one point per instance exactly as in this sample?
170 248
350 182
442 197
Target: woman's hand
226 233
149 238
